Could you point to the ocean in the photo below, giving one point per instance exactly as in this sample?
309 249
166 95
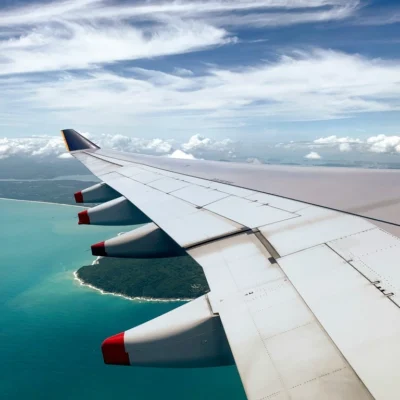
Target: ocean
51 328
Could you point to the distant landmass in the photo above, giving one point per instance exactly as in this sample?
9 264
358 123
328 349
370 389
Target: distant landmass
61 191
161 278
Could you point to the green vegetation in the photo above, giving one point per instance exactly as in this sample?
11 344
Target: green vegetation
163 278
61 191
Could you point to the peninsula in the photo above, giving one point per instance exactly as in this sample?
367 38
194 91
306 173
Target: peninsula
160 278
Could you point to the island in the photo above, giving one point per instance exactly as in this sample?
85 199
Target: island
159 278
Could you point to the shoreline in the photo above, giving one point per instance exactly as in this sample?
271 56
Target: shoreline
42 202
83 283
138 299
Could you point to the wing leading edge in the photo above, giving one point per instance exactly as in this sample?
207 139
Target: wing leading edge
304 298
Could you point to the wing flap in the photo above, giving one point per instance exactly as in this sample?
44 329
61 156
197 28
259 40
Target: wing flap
279 347
281 350
236 263
360 319
375 254
314 226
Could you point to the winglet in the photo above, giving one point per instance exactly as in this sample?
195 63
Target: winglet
75 141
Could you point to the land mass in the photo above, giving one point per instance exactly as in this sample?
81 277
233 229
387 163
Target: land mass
161 278
50 191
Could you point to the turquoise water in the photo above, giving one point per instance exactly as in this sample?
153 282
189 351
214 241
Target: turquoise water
51 328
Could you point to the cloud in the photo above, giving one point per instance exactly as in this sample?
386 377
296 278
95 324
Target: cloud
72 60
384 144
183 71
338 11
199 142
253 160
375 144
345 147
65 156
34 146
181 154
344 144
71 10
44 146
336 140
77 45
131 144
338 85
197 147
74 34
313 156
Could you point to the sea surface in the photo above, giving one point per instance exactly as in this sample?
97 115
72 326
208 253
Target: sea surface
51 328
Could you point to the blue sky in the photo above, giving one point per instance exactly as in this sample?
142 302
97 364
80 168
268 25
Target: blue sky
271 70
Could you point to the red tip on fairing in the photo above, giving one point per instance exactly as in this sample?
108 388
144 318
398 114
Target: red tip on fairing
84 218
99 249
78 197
113 349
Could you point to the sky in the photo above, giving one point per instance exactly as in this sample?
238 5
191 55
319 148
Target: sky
214 70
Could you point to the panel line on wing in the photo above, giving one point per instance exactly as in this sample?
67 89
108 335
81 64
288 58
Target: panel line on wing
390 296
103 159
218 238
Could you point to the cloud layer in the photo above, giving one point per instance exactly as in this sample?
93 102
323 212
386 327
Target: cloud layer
73 59
43 146
75 34
123 66
301 86
200 147
375 144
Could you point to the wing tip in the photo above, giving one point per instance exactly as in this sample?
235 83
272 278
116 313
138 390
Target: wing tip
75 141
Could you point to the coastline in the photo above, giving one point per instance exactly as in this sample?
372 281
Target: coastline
42 202
83 283
138 299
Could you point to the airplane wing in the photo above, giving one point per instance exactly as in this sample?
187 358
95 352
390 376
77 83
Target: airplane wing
304 299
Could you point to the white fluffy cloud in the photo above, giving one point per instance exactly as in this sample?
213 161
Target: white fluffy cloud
345 147
43 146
336 140
376 144
131 144
54 146
181 154
34 146
65 156
313 156
199 142
384 144
344 144
196 147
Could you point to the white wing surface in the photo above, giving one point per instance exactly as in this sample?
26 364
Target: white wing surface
307 297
